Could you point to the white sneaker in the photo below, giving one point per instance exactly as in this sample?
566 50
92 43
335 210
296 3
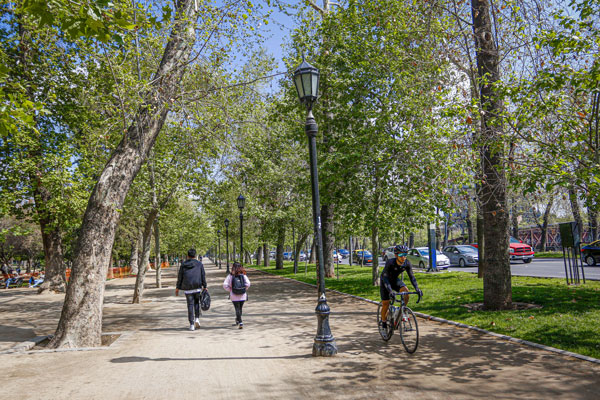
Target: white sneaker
192 327
197 323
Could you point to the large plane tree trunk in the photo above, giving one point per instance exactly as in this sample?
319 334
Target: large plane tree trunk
497 289
80 323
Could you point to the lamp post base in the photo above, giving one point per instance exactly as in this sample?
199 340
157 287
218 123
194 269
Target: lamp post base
324 344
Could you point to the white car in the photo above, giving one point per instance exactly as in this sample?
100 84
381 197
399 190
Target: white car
388 253
419 257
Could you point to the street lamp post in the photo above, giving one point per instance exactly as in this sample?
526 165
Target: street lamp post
306 79
241 201
219 247
227 242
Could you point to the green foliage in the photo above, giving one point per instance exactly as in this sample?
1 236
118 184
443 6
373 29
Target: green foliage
384 82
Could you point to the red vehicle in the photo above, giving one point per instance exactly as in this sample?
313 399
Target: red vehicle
519 250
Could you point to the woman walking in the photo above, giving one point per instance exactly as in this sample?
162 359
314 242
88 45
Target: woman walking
237 283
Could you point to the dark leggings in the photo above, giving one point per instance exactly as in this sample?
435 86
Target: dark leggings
193 303
238 310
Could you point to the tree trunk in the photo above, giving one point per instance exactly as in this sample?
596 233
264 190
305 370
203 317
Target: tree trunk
328 239
133 259
446 231
258 255
55 279
80 323
280 246
375 247
593 218
266 255
438 236
514 220
312 253
469 222
298 249
497 289
545 225
411 240
575 209
157 258
145 257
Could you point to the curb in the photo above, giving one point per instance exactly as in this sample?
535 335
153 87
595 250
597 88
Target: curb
25 347
458 324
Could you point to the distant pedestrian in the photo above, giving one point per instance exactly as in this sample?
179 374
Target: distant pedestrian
192 280
237 284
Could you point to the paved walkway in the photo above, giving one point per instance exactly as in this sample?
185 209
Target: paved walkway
271 357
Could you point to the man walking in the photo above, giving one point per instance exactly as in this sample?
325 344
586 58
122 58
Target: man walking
192 280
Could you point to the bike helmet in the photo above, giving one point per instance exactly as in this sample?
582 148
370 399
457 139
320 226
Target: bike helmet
400 248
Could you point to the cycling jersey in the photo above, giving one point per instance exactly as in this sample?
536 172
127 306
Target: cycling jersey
391 273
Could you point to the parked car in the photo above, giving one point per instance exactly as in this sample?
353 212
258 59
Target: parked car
462 255
302 256
337 256
361 254
590 253
272 255
518 250
287 255
420 257
344 253
388 253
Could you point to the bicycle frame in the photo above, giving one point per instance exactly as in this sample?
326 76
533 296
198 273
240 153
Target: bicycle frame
401 317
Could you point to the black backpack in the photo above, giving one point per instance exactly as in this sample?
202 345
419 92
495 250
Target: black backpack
205 300
238 284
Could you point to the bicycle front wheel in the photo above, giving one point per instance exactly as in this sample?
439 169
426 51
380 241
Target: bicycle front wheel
386 331
409 330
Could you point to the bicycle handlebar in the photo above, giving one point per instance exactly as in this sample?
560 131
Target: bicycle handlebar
394 294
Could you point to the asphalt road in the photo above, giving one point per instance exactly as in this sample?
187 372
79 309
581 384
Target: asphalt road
539 267
543 267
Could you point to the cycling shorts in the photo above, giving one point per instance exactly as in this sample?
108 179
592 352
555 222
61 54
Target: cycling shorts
385 295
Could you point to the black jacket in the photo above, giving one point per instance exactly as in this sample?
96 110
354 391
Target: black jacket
191 275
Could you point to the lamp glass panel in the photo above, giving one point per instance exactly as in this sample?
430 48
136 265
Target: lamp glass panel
299 88
306 84
315 84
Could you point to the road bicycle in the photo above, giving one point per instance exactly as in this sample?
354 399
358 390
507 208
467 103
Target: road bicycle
401 318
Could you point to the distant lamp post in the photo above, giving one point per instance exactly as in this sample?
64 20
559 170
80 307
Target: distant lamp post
227 242
219 247
306 79
241 202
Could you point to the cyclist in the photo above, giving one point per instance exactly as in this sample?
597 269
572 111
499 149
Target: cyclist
390 280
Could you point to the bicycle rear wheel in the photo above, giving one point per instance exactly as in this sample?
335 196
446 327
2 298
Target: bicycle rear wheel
387 332
409 330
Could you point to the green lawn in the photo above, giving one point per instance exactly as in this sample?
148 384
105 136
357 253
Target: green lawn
569 319
549 254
